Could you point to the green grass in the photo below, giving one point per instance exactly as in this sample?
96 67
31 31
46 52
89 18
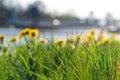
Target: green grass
36 61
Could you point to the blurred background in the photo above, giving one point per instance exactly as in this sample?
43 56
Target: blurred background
59 18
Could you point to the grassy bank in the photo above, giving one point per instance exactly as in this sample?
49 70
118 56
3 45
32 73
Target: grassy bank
76 58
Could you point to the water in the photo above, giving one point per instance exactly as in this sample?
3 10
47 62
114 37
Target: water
57 33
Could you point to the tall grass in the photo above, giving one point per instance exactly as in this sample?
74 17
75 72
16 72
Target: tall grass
56 60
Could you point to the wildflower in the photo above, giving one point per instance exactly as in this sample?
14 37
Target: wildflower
105 40
78 37
71 39
34 33
60 42
99 43
24 32
92 31
13 39
84 41
89 37
43 41
2 38
72 46
27 31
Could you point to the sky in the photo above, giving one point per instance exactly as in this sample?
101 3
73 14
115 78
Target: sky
81 8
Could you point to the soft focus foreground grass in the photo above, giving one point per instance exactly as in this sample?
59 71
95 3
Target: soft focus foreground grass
54 60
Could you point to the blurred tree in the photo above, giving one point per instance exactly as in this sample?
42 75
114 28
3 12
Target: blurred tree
8 6
36 12
4 12
68 16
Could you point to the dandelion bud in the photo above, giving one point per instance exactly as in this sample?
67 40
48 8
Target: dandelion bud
71 39
13 39
92 31
60 42
2 38
43 41
89 37
72 46
78 37
34 33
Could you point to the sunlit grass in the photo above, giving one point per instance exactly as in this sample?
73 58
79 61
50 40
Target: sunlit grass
71 59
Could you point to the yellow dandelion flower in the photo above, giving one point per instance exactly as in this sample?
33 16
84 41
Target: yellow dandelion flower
71 39
105 40
85 42
89 37
92 31
78 37
13 39
24 32
34 33
60 42
2 38
72 46
27 31
99 43
43 41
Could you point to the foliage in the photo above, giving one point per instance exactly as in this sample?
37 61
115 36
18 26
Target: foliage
71 59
